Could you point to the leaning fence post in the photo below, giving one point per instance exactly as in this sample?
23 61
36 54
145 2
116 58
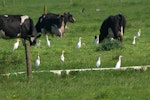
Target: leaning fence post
28 59
45 9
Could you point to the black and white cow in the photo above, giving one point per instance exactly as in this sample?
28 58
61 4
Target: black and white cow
68 17
18 26
114 27
54 23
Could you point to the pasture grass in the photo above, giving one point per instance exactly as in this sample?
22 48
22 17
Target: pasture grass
89 85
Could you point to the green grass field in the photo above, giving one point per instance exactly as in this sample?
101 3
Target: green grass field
88 85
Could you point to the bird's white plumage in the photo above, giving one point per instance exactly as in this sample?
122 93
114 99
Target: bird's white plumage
48 41
37 62
96 40
118 64
16 44
62 57
138 34
98 63
38 43
79 43
133 42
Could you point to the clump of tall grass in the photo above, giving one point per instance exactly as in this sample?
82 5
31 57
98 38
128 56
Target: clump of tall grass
109 44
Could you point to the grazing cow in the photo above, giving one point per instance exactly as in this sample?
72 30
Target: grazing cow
54 23
114 27
18 26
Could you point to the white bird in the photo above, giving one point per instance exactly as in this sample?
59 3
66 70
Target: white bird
16 44
138 34
37 62
38 43
47 41
98 63
112 39
79 43
118 64
62 57
96 40
133 42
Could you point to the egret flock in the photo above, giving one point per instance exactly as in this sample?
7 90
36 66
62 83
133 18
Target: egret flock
137 35
78 46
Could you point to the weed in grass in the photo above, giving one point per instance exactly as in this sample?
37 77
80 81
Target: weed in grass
108 45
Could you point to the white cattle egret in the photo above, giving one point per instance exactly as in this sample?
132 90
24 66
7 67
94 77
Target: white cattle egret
47 41
118 64
138 34
62 57
98 63
133 42
96 40
37 62
97 9
38 43
112 39
16 44
79 43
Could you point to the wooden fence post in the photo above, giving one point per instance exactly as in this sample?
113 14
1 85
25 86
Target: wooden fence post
28 59
45 9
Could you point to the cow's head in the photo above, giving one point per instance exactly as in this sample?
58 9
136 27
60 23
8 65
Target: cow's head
69 17
39 24
32 39
120 34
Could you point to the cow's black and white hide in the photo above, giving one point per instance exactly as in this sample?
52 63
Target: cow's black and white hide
113 27
18 26
68 17
54 23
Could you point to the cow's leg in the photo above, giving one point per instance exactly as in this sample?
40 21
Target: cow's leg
115 31
23 42
62 29
43 31
103 33
101 38
120 34
55 30
110 33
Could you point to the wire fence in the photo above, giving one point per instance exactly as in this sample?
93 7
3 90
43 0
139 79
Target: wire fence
67 71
